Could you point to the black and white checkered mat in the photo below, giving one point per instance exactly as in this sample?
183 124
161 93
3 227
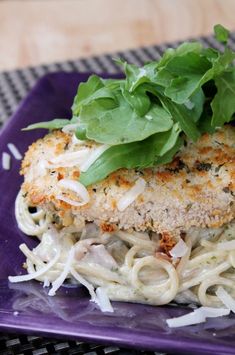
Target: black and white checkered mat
33 345
14 86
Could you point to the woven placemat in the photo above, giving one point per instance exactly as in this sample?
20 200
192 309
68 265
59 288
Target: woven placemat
14 86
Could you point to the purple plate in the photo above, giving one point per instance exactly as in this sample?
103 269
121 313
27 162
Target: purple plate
26 307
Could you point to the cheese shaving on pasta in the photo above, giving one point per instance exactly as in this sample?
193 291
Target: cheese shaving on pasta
127 265
179 250
225 298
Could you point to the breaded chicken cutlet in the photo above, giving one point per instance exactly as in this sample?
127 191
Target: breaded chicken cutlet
108 210
196 190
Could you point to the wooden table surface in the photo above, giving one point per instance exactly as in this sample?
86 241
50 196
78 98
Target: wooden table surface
42 31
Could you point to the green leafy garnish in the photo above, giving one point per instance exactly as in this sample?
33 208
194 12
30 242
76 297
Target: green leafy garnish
57 123
189 91
121 124
140 155
223 104
221 33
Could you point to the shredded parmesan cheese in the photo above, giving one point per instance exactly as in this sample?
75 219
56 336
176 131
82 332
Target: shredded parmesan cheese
6 161
14 151
60 280
42 168
199 315
95 154
46 283
210 312
75 140
103 300
70 127
99 297
225 298
76 187
187 319
69 159
37 273
84 282
131 195
179 250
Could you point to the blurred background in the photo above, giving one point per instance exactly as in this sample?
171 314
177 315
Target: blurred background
34 32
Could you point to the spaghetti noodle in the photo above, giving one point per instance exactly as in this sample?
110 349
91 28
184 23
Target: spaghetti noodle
127 265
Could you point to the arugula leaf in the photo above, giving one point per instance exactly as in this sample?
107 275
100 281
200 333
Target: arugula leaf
169 155
87 92
184 48
57 123
189 69
122 125
221 33
133 155
195 104
223 104
205 124
188 64
80 132
180 71
136 76
191 89
183 75
182 115
139 100
165 141
219 65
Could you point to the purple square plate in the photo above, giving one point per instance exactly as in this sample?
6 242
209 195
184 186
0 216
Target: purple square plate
26 307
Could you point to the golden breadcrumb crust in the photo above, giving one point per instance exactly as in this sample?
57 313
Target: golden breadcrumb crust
197 189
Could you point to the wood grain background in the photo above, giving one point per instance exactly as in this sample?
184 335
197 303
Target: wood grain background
42 31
